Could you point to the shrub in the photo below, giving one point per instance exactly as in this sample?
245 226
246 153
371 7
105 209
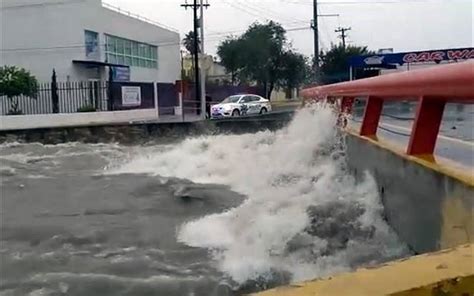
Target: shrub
16 82
87 108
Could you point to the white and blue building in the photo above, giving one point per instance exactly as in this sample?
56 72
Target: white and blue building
84 39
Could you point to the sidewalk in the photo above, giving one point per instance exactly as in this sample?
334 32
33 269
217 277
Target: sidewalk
24 122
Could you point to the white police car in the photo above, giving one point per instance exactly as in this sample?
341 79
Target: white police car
238 105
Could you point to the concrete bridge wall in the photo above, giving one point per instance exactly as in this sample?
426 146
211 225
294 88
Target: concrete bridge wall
430 206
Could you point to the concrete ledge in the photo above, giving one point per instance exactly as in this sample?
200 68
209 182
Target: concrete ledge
142 131
438 164
22 122
449 272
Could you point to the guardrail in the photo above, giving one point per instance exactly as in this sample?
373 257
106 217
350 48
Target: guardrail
432 88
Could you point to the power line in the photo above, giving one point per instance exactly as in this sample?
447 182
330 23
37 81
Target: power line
240 30
160 44
299 29
363 2
256 8
323 44
257 12
242 9
324 24
211 37
264 10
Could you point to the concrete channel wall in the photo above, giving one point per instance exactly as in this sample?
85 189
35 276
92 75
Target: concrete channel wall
36 121
430 206
122 131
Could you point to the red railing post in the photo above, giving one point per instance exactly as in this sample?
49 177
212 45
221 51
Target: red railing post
346 109
346 105
426 126
373 110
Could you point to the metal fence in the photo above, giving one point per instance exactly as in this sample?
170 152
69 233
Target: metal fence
72 97
90 96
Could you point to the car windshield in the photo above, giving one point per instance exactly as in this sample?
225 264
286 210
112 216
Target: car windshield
231 99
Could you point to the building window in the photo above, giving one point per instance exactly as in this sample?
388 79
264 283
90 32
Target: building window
131 53
92 44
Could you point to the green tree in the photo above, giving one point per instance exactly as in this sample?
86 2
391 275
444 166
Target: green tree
295 70
188 42
229 52
263 54
16 82
263 47
335 62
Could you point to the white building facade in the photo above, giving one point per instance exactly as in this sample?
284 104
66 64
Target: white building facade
84 39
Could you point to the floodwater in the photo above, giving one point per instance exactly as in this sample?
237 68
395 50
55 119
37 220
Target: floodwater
208 215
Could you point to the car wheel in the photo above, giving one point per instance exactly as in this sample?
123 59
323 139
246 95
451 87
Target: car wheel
264 110
236 113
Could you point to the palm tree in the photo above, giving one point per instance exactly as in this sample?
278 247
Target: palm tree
188 42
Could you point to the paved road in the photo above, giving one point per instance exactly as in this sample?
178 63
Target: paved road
460 151
456 139
455 149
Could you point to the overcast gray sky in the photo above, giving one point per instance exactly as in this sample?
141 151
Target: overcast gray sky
399 24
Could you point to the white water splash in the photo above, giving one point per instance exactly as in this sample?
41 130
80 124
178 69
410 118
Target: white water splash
284 174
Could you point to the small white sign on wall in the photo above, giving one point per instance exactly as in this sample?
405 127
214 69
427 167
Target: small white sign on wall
131 96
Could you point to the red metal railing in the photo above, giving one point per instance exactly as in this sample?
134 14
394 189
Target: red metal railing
431 87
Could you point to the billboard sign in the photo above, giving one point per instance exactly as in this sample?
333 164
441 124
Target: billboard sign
385 60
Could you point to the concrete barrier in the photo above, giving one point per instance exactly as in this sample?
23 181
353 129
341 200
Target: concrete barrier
100 129
430 206
437 274
21 122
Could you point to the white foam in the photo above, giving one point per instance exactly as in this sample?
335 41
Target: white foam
282 173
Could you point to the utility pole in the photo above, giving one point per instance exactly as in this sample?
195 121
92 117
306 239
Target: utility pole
343 35
203 72
315 27
195 7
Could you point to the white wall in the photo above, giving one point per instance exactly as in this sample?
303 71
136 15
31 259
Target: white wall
53 33
36 27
